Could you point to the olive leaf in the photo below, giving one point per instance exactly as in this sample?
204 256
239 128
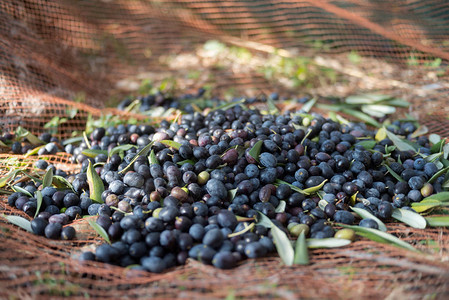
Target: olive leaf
34 151
61 182
314 189
92 153
272 109
442 196
23 133
152 158
438 174
367 144
8 177
421 130
100 230
18 189
281 241
86 140
38 202
366 98
327 243
172 144
48 178
301 251
308 105
401 144
393 173
96 186
232 194
283 245
143 152
19 221
228 105
438 221
295 188
255 150
434 138
378 236
426 205
121 149
187 161
281 207
362 116
263 220
378 110
409 217
367 215
73 140
381 134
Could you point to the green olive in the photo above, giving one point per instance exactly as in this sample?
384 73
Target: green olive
345 233
427 190
203 177
298 228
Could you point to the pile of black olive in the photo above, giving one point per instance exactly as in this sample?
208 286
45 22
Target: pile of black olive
191 202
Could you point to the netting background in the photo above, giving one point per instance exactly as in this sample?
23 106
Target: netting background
86 54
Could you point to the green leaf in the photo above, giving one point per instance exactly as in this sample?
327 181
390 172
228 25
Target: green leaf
426 205
61 182
367 144
301 251
283 245
8 177
442 196
121 149
367 215
379 236
34 151
438 174
228 105
400 143
438 146
18 189
96 186
143 152
272 109
362 116
263 220
434 138
327 243
398 103
100 230
152 158
439 221
246 229
281 207
409 217
366 98
394 174
39 202
255 150
92 153
232 193
23 133
172 144
379 108
314 189
421 130
295 188
73 140
187 161
19 221
308 105
48 178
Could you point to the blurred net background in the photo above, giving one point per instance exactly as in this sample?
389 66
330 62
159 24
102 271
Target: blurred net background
66 55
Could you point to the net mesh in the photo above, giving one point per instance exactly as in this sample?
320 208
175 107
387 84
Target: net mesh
57 57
